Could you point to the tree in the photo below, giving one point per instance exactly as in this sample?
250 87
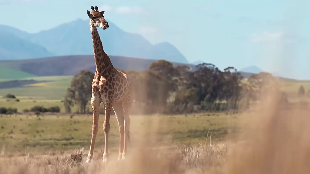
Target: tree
80 91
261 84
9 96
301 91
163 67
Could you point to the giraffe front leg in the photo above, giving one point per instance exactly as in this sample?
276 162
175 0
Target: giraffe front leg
106 128
95 102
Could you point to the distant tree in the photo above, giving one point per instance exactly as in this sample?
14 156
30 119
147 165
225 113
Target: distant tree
9 96
4 110
261 84
79 92
163 66
301 91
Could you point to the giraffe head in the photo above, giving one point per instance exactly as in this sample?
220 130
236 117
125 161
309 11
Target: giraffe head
97 19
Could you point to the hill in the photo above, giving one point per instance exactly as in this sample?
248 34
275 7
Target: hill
71 65
13 47
251 69
74 38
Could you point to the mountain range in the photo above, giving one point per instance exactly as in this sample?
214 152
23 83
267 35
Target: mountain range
74 38
252 69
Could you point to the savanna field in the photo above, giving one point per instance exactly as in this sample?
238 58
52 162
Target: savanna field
206 142
224 89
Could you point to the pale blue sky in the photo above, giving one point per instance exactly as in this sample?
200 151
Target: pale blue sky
271 34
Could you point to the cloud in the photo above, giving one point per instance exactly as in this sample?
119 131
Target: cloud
129 10
123 9
106 8
272 37
147 30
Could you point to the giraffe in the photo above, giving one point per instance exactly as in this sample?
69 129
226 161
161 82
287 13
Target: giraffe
110 87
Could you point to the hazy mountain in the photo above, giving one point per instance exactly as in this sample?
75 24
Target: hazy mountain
251 69
71 65
13 47
197 62
74 38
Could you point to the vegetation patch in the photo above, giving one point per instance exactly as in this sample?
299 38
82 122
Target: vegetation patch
10 73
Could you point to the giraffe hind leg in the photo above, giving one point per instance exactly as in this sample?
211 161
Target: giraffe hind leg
127 103
118 109
106 128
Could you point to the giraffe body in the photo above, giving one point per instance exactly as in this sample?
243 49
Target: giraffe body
110 87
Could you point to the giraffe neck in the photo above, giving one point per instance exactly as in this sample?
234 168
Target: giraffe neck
102 60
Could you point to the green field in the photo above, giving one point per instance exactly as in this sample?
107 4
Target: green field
49 133
51 93
54 90
51 78
7 73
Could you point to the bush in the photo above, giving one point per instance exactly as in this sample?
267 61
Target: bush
38 109
53 109
9 96
4 110
42 109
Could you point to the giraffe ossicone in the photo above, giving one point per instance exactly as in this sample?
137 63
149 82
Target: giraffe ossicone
110 87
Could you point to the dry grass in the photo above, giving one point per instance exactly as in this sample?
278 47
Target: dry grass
183 159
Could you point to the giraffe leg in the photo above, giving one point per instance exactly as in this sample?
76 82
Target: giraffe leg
106 128
127 105
118 108
95 102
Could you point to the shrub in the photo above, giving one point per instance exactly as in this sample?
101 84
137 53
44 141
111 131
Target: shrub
38 109
4 110
9 96
42 109
53 109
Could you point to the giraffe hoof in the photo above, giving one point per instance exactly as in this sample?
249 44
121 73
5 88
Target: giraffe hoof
123 157
88 160
104 158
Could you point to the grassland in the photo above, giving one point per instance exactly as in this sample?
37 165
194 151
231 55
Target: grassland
53 90
58 85
58 131
53 133
47 135
7 73
291 89
51 93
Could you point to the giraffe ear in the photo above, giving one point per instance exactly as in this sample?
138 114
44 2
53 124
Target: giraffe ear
102 12
90 15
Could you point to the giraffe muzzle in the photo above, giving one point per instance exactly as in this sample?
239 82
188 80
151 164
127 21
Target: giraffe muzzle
106 26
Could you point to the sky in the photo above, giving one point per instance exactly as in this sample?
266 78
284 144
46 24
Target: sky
271 34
